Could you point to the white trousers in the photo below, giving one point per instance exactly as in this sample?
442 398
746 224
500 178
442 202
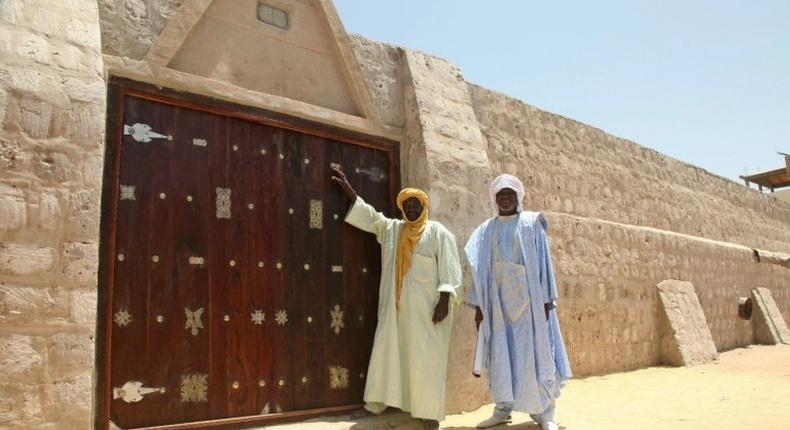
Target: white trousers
503 409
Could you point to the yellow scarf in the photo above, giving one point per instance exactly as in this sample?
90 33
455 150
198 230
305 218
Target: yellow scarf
409 236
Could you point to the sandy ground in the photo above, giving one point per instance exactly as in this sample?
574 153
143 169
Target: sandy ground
745 389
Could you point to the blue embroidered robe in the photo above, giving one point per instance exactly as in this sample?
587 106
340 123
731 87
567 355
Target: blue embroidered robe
526 359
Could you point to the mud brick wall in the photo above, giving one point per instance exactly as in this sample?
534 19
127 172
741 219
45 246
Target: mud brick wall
52 107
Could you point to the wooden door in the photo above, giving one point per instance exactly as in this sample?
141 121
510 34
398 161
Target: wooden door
232 291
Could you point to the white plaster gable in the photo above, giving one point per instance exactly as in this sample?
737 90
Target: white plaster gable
311 62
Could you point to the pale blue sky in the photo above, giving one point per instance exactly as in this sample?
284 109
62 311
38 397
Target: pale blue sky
707 82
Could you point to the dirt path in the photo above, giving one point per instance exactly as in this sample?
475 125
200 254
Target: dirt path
745 389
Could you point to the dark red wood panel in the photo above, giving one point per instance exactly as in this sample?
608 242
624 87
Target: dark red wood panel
232 265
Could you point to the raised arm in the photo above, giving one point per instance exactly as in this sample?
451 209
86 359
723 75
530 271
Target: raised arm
339 178
360 214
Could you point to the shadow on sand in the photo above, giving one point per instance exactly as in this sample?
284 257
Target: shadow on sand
392 419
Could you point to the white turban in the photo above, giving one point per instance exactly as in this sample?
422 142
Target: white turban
507 181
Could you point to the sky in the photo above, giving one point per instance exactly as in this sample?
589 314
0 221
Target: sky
706 82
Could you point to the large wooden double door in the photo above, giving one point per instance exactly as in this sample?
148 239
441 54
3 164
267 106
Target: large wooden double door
232 291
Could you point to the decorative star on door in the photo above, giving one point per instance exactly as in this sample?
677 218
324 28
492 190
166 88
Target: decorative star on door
337 319
258 317
193 320
338 377
194 387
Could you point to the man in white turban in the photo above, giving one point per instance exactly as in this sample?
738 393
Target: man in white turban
515 297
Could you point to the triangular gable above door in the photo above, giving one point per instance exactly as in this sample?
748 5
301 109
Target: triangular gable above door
296 49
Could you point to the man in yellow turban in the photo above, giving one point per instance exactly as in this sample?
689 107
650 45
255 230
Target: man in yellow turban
420 272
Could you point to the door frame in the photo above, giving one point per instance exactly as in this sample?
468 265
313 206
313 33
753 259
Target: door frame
119 88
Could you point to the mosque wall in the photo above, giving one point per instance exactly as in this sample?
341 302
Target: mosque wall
622 217
578 169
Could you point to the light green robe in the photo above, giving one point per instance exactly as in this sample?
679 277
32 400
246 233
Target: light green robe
408 365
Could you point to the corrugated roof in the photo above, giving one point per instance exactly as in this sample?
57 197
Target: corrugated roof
773 179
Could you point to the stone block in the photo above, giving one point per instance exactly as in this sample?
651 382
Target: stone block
92 171
13 210
7 48
37 85
26 80
20 405
83 123
21 359
769 326
48 211
34 47
85 90
83 33
83 306
55 167
84 215
685 337
12 12
12 155
35 117
67 56
43 19
30 305
18 259
80 263
69 354
69 401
